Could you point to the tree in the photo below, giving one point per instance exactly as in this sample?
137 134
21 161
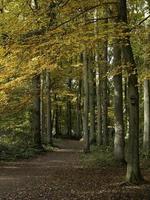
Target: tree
92 95
119 142
119 139
146 135
133 166
105 95
36 120
86 104
78 110
49 117
36 128
69 111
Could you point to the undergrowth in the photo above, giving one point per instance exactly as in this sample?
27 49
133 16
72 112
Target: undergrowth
13 152
19 145
99 156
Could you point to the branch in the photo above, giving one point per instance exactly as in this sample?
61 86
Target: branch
142 21
90 21
44 29
65 3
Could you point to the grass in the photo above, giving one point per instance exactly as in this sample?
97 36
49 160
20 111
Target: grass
14 152
103 157
99 156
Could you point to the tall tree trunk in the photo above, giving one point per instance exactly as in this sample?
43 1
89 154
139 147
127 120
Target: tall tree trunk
99 104
59 119
36 112
86 103
98 77
49 120
119 141
69 111
126 121
146 136
133 167
105 98
57 132
92 101
79 109
36 118
42 107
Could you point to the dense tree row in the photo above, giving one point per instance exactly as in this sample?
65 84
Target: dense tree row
75 69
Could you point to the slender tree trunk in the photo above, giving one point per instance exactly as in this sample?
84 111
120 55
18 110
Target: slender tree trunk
57 121
98 77
86 103
69 111
105 98
49 120
52 118
133 167
36 118
119 141
36 112
99 105
42 116
146 136
92 102
79 109
57 133
126 121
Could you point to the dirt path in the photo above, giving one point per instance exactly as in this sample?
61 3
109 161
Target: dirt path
59 175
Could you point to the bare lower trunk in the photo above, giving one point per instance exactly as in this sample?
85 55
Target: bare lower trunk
133 166
69 111
99 107
146 136
105 100
119 141
126 121
36 112
79 110
57 131
98 77
86 104
42 116
92 103
49 120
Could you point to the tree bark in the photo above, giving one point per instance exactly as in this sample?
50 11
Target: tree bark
86 104
57 132
98 77
105 98
36 128
79 120
49 118
42 103
92 102
99 104
133 167
69 111
146 136
126 121
119 141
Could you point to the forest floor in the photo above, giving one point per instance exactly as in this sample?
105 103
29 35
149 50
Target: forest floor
60 175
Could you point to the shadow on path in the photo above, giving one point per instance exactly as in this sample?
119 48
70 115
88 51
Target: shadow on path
59 175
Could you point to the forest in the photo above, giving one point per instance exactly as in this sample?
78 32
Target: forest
75 99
